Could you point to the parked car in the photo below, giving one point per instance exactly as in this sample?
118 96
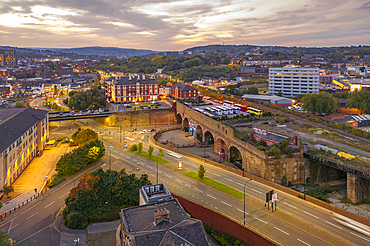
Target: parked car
143 131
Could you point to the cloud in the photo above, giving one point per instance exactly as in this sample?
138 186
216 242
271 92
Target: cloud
175 25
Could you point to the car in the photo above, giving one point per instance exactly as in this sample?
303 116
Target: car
143 131
152 130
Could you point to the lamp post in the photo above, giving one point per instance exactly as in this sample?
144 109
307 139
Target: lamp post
244 198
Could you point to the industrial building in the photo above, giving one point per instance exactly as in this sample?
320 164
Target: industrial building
269 99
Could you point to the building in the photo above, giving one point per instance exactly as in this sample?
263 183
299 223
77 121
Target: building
23 134
269 138
64 69
182 91
352 84
160 221
132 89
291 80
8 58
270 99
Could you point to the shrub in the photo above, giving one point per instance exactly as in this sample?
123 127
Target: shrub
133 147
277 153
321 193
261 143
139 147
289 151
201 171
290 183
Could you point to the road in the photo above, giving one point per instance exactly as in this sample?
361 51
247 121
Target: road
307 212
295 223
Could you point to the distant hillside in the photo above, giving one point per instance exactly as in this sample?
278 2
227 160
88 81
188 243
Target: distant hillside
107 51
222 48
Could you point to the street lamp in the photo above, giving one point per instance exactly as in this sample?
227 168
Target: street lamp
244 197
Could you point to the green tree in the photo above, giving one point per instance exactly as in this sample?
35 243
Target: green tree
277 153
361 101
160 154
201 171
252 90
150 151
140 147
20 104
133 147
4 239
322 103
279 94
7 190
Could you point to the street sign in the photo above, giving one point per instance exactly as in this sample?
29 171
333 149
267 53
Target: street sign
274 197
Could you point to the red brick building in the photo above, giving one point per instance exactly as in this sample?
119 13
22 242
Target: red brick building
182 91
133 89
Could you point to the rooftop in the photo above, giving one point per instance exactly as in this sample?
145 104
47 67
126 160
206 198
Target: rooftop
14 122
133 80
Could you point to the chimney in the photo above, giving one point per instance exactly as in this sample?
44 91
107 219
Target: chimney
161 214
129 78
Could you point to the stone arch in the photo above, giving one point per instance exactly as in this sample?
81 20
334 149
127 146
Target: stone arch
284 181
221 147
208 138
199 132
236 156
179 119
185 125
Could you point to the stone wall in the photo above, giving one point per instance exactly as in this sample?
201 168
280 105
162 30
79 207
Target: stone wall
358 189
136 118
254 161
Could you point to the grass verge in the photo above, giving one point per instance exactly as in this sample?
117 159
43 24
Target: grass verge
56 179
216 185
152 158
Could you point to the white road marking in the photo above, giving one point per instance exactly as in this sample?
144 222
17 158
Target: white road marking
257 191
226 203
240 184
49 204
32 215
261 220
216 174
168 176
364 238
187 185
10 227
242 211
290 205
333 224
229 180
212 196
32 234
198 190
178 181
15 226
281 230
150 167
63 195
310 214
303 242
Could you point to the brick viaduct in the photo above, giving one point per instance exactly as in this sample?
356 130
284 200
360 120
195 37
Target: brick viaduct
251 159
295 169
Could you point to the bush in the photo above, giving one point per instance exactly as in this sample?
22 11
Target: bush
261 143
277 153
321 193
133 147
289 151
201 171
290 183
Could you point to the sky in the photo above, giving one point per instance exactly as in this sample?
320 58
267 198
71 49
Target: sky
176 25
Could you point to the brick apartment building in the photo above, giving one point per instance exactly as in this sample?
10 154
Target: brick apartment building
182 91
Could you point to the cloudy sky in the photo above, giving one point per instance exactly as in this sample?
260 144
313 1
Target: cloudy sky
177 25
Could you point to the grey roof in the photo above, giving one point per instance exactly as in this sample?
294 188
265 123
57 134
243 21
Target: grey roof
180 229
14 122
134 80
272 137
264 97
183 87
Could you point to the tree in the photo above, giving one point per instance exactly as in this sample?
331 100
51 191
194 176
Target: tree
160 153
277 153
279 94
20 104
150 151
361 101
252 90
140 147
7 190
322 103
201 171
4 239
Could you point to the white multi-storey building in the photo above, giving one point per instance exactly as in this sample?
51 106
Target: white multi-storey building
291 80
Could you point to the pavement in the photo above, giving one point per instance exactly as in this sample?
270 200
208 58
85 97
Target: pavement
35 176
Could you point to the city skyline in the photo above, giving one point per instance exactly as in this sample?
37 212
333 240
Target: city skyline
177 25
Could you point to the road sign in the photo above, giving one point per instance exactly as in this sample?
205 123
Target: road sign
274 197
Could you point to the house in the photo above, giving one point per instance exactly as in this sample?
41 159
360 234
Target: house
159 221
182 91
